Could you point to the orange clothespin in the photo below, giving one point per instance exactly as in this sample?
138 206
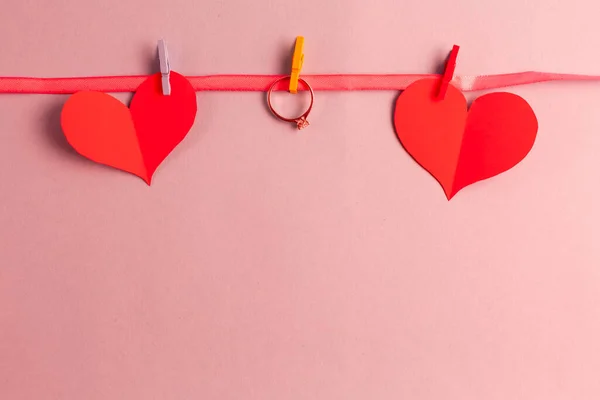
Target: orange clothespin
297 61
448 73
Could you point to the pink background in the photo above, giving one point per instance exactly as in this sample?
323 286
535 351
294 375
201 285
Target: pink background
269 264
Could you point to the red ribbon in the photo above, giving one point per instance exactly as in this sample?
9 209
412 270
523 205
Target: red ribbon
261 83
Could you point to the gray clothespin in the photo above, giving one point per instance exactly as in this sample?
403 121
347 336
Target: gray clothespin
165 67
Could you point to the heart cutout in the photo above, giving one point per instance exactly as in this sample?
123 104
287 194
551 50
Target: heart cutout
459 147
135 139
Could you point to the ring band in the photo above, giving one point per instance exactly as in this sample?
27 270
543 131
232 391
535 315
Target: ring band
301 121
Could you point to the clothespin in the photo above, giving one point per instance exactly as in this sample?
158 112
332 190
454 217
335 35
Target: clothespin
297 61
448 73
165 67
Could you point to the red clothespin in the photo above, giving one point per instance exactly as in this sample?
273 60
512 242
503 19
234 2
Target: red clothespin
448 73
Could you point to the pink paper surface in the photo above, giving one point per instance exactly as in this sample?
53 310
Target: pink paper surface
264 263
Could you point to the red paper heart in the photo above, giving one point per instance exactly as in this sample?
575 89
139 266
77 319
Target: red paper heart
458 147
135 139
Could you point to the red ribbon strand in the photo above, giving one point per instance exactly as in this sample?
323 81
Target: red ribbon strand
261 83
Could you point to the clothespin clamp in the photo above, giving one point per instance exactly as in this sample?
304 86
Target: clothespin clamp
448 73
165 67
301 121
297 61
